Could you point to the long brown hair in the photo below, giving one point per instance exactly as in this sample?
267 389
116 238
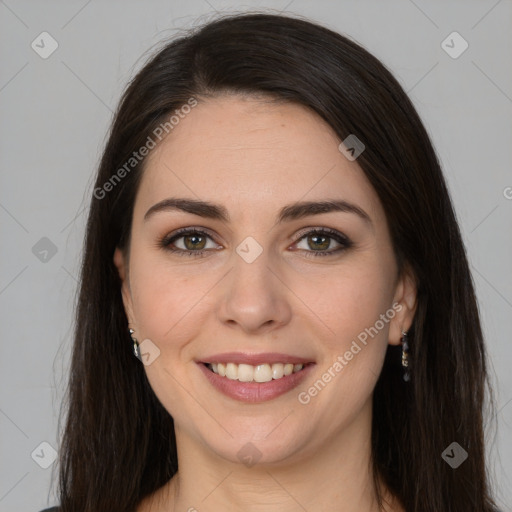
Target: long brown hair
118 443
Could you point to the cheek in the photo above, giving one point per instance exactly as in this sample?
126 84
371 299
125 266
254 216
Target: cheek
342 300
354 347
169 306
348 299
165 298
361 320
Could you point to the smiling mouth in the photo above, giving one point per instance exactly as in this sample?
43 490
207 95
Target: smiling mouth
259 373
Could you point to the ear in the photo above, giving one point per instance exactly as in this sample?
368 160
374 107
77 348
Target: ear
121 263
404 304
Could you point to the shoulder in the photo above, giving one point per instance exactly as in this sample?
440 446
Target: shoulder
52 509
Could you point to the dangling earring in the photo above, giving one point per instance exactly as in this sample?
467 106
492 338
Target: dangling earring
135 344
405 356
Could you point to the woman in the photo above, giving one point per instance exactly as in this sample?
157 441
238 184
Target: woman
276 311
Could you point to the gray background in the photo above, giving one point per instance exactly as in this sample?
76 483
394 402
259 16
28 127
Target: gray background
54 116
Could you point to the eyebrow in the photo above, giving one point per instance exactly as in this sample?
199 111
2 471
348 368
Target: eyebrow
290 212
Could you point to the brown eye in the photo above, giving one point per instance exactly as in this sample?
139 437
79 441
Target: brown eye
188 241
319 241
192 242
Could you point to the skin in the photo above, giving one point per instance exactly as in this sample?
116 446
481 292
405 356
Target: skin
254 157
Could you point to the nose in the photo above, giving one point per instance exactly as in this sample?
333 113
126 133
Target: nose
254 297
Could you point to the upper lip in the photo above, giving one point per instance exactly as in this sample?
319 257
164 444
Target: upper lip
254 359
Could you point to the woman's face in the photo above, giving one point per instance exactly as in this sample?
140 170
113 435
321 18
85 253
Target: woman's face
261 282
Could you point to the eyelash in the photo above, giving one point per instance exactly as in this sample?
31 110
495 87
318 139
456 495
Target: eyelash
344 241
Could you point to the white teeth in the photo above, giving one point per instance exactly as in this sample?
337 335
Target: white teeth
263 373
260 373
232 371
245 372
277 371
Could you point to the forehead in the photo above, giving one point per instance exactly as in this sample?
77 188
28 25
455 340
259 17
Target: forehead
253 154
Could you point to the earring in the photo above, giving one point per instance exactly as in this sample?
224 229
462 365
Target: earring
405 356
135 344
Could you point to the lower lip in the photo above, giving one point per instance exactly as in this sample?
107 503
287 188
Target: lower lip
255 392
